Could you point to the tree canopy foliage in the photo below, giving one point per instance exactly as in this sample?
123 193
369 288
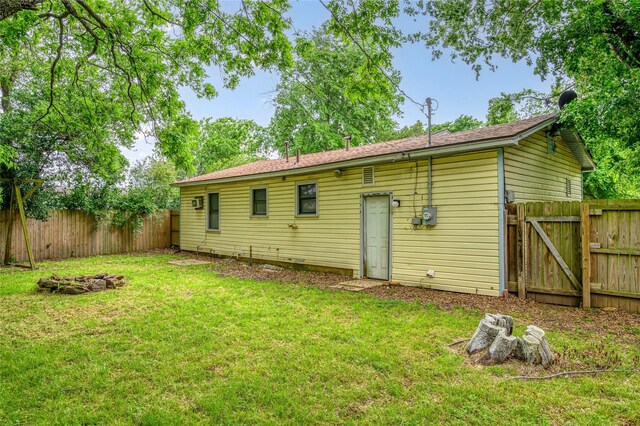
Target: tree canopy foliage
80 79
95 74
591 46
331 91
460 124
228 142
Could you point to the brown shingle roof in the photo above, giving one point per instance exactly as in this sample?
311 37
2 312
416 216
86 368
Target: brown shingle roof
499 131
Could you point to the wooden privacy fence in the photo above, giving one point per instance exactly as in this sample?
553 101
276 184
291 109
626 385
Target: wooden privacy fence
573 253
70 233
175 228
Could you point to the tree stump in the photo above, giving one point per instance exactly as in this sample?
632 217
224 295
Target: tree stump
487 330
534 348
502 347
494 333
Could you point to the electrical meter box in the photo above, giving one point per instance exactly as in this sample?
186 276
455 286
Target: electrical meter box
429 215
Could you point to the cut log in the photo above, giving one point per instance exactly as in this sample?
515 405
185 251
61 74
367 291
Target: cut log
487 331
534 348
502 347
494 332
504 321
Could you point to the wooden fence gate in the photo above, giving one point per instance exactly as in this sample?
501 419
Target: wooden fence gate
573 253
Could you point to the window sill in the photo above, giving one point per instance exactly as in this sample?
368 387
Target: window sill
212 230
307 215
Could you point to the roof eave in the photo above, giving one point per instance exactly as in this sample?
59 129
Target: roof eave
422 153
577 147
571 138
535 128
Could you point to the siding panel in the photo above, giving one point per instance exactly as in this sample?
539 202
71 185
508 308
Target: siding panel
535 175
462 248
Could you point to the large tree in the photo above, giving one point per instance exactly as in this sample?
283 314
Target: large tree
333 90
81 79
228 142
590 46
92 75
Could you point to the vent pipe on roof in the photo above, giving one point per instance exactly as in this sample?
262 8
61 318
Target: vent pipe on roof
286 150
347 142
298 156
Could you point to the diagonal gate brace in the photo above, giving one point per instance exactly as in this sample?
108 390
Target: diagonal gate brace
556 254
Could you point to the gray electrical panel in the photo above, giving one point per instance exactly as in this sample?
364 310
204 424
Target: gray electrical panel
429 216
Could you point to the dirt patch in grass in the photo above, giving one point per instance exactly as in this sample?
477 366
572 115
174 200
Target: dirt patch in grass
624 325
594 355
264 272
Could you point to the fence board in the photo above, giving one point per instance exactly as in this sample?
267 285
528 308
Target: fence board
613 246
70 233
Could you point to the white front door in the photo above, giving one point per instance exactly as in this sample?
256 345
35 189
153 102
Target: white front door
376 236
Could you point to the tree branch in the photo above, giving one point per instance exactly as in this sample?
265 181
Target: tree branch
83 21
157 14
11 7
53 67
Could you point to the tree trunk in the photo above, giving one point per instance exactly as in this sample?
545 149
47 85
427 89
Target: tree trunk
5 90
11 7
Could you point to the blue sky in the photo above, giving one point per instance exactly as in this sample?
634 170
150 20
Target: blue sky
453 85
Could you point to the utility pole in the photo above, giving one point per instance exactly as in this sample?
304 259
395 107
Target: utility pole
429 113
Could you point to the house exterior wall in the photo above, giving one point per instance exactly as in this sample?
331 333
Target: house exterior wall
462 248
535 175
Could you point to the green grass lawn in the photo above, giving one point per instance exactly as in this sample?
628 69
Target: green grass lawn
180 345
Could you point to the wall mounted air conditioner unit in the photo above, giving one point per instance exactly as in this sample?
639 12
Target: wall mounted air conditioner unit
197 202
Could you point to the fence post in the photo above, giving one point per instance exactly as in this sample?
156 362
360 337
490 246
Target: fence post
585 229
521 254
10 215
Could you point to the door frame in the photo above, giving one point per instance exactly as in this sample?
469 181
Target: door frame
362 229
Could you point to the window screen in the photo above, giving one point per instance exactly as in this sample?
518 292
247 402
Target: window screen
214 211
259 202
307 199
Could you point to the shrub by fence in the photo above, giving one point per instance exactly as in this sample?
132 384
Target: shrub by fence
70 233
